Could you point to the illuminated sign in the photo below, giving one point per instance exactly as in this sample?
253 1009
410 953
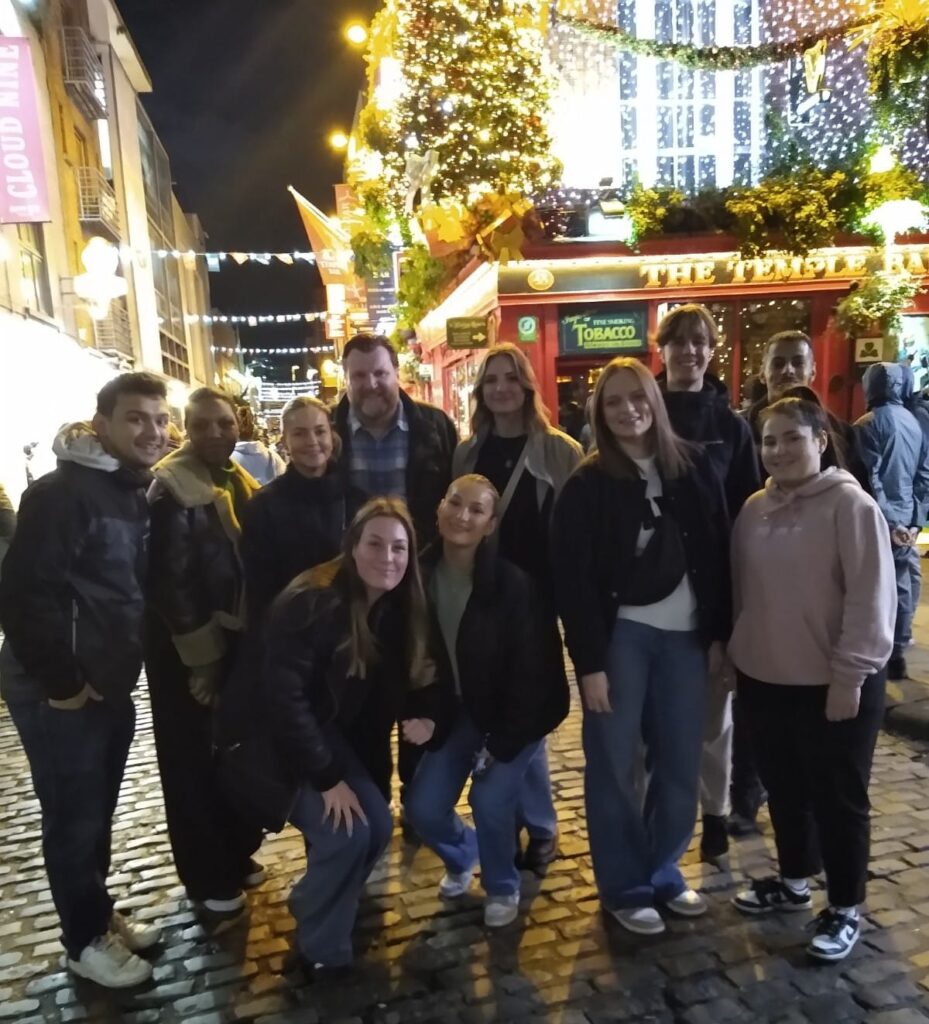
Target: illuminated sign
603 330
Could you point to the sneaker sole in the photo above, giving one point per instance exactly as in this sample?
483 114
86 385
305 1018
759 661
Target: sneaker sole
76 968
787 908
689 912
635 929
830 958
500 924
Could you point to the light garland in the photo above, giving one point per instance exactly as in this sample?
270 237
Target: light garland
239 350
287 258
255 319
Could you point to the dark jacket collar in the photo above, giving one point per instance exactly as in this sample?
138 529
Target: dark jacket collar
410 410
713 392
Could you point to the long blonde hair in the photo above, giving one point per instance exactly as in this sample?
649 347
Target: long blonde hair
535 414
672 453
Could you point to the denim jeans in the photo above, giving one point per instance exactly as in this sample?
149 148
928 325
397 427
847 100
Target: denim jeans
494 798
909 580
324 902
536 809
77 760
657 685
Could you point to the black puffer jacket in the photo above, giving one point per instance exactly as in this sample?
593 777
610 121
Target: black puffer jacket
432 442
195 588
312 697
289 526
596 527
510 661
705 417
71 599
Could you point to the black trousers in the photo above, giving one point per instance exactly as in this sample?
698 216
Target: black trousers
211 843
817 774
746 791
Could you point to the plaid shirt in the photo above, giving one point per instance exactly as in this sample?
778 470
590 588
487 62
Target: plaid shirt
378 467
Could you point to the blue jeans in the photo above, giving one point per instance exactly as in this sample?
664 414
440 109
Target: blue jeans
77 760
657 681
324 902
536 810
909 579
494 798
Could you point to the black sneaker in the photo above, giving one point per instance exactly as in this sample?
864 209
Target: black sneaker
714 843
835 935
539 854
896 668
765 895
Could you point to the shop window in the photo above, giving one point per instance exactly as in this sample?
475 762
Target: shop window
758 321
723 314
914 347
37 294
461 377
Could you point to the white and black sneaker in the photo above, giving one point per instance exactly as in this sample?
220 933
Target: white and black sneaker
836 933
765 895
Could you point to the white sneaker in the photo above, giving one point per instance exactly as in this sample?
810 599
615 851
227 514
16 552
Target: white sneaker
256 874
452 886
107 962
499 911
137 938
688 904
229 906
640 920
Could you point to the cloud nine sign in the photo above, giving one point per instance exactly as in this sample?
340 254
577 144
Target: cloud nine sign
603 330
23 187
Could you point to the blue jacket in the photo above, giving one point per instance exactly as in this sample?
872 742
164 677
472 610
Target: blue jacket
893 448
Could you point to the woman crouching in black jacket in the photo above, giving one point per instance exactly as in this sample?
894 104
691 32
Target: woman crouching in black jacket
345 659
490 637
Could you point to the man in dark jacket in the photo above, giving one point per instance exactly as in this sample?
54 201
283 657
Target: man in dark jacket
195 613
699 410
896 455
71 607
392 446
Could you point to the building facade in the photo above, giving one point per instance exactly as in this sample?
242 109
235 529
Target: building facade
107 176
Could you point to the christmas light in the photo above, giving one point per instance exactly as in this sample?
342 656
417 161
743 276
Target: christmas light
254 319
238 350
287 258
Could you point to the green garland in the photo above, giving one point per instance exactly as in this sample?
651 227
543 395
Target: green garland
709 58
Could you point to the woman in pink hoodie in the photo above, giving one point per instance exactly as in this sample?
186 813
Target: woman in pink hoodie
815 602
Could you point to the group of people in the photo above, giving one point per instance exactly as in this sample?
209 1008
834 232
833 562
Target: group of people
392 577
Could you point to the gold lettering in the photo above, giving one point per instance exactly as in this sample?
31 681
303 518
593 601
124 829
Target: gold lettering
914 264
705 272
893 261
856 264
816 264
763 269
650 272
831 263
737 269
680 273
783 270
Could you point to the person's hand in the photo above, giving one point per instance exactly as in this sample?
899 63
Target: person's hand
204 683
595 689
76 702
914 534
901 537
342 805
842 702
418 730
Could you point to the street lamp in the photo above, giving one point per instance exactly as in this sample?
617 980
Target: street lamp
338 140
356 33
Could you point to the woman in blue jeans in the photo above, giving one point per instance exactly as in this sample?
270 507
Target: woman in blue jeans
490 636
641 572
345 659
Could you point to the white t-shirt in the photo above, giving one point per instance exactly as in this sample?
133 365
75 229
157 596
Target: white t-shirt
678 611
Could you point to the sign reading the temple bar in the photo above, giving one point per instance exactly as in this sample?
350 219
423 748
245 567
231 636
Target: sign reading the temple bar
468 332
23 187
603 330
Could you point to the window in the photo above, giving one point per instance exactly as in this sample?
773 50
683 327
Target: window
37 294
761 320
80 150
175 360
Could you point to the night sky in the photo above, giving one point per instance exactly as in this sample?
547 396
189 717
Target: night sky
245 95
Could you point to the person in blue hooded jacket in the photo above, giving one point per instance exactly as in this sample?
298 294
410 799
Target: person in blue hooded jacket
896 454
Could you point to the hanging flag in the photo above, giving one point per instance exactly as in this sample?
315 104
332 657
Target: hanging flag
330 244
285 257
240 257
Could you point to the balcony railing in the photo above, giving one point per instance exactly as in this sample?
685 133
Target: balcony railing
114 334
83 73
98 202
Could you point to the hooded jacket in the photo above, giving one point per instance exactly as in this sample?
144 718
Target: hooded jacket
814 589
429 463
706 417
71 600
259 461
893 448
195 589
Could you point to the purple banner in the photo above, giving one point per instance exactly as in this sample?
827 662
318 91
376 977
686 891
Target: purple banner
23 186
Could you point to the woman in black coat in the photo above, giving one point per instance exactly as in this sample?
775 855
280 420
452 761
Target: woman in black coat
345 659
491 634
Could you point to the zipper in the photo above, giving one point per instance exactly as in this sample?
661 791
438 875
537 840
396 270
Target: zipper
74 628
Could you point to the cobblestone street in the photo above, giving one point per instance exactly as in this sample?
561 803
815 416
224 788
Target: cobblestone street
422 960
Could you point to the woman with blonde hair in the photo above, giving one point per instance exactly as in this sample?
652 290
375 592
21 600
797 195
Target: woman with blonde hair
345 659
641 572
514 445
251 453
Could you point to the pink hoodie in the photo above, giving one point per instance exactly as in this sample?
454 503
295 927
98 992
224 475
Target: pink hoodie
814 587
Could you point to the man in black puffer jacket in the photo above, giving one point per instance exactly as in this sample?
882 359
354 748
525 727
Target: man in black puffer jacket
699 410
71 607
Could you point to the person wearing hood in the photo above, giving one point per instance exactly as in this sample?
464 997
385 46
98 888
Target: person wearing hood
896 455
71 606
815 600
195 614
699 411
253 455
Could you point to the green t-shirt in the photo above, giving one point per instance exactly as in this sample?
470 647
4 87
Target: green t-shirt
451 591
